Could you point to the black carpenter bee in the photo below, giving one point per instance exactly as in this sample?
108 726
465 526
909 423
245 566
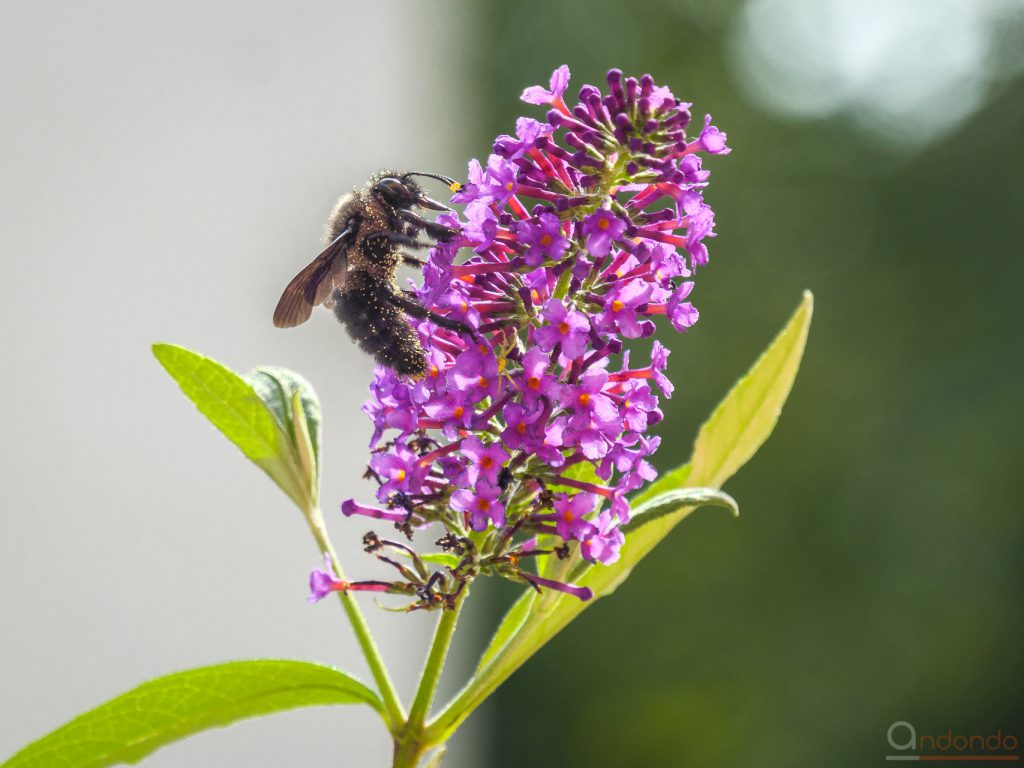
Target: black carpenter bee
355 274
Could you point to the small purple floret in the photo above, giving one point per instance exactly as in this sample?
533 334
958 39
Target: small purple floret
322 583
602 228
544 238
536 94
566 327
712 140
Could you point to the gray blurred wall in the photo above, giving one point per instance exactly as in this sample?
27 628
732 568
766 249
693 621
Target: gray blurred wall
166 169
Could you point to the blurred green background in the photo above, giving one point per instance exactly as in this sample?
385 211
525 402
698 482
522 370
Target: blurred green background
875 573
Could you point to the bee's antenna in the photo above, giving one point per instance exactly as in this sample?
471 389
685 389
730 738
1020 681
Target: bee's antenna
453 185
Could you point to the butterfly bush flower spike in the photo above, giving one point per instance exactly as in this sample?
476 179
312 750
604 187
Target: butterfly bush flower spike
514 455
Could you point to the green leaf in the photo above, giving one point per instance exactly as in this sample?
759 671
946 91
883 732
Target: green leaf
747 416
294 403
510 624
131 726
583 471
737 428
671 501
260 415
670 481
441 558
434 761
224 398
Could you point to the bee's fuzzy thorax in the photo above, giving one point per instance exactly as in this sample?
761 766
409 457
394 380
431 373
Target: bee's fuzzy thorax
365 240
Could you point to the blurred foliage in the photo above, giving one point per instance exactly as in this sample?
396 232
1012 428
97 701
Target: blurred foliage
875 573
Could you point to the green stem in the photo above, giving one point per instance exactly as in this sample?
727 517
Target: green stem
501 666
411 743
434 664
395 712
482 685
407 753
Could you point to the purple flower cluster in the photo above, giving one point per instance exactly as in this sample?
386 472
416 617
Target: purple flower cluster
524 440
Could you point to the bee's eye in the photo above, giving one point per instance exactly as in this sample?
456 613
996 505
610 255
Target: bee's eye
393 190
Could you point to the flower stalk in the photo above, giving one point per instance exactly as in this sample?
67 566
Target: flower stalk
413 740
515 453
394 711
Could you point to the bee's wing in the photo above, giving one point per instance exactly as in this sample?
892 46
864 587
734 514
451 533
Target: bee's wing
313 284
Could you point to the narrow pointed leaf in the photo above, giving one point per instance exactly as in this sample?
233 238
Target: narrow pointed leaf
133 725
305 450
224 398
292 400
441 558
234 407
670 481
747 416
672 501
435 760
737 428
510 624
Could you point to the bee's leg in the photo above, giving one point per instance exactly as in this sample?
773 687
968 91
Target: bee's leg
398 238
412 307
432 228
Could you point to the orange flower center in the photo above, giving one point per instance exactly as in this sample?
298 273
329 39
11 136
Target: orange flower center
603 223
487 462
617 306
584 398
563 327
521 427
545 239
533 382
400 475
459 411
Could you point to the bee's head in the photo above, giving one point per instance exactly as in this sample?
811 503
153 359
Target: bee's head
403 192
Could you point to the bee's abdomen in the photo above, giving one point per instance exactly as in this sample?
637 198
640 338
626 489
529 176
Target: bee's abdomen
381 329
